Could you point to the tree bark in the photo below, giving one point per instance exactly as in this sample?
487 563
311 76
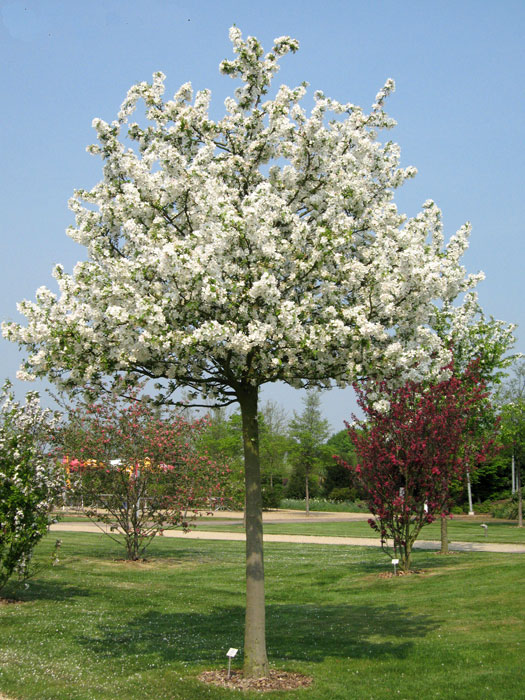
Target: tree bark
520 500
255 658
406 557
469 492
406 547
307 494
444 535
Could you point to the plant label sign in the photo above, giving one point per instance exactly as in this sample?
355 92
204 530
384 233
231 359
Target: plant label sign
230 654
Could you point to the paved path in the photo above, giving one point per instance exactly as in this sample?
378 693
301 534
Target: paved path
199 534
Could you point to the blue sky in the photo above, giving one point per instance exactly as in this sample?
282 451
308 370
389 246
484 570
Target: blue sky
459 103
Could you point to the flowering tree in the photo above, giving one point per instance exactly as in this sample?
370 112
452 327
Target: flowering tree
138 471
261 247
29 482
411 448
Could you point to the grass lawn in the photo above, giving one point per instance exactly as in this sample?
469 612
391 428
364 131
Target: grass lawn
98 628
460 531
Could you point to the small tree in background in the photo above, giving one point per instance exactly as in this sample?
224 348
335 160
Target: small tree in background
29 482
340 483
222 440
473 338
137 471
415 441
274 448
308 430
512 410
492 478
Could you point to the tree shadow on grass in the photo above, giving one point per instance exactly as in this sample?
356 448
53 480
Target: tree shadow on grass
300 632
38 589
424 561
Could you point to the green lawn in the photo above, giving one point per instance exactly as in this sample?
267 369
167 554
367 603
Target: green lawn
460 531
94 627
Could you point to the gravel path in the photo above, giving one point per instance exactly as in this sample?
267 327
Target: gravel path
199 534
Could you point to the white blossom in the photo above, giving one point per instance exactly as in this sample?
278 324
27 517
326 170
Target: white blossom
263 246
29 480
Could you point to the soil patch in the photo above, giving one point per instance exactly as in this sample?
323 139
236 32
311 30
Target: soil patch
10 601
153 563
410 572
276 680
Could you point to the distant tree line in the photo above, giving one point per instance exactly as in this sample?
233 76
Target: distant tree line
301 457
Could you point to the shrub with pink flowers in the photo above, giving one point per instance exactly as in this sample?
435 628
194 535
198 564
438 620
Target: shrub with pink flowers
137 471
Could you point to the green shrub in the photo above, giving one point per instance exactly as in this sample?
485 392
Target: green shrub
341 494
485 507
272 494
506 510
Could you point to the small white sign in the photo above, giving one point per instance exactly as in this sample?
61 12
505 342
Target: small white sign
395 562
231 652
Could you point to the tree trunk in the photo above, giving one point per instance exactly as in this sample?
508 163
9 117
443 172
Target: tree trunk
469 492
520 500
307 494
255 659
406 556
444 534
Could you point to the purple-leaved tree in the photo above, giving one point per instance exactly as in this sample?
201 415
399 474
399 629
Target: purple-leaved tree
413 446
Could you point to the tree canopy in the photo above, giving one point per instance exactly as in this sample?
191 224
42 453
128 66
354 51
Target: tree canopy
260 247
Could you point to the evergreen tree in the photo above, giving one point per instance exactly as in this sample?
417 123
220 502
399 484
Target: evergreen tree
308 430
